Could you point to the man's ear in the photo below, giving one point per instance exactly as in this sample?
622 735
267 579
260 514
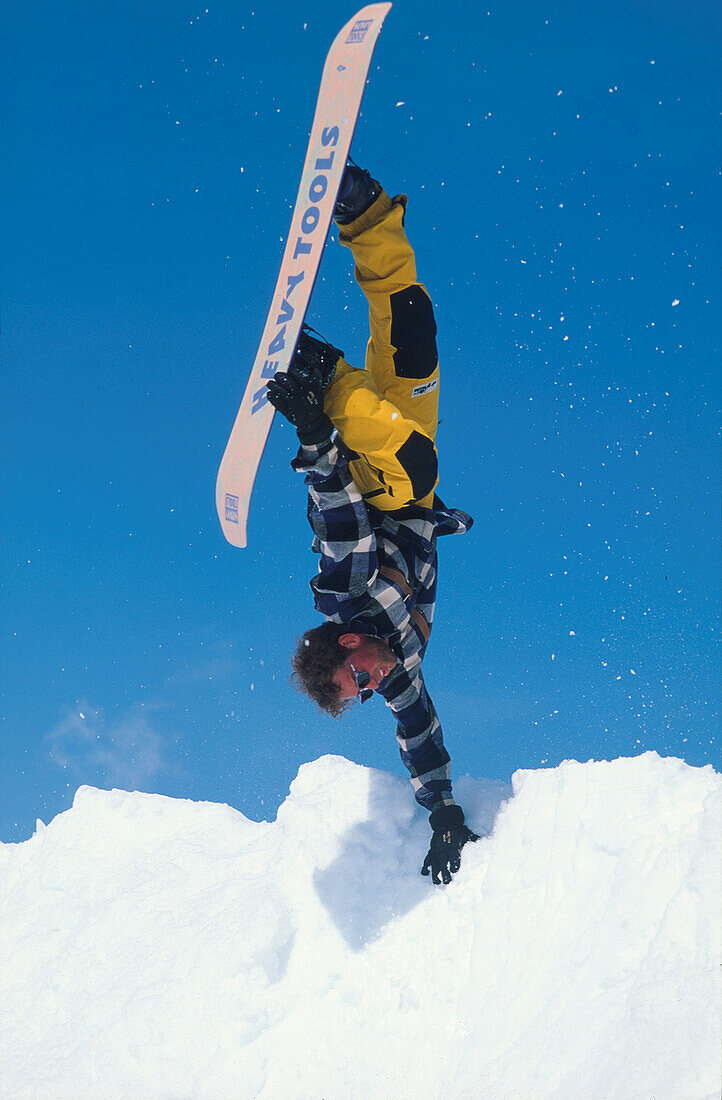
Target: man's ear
350 641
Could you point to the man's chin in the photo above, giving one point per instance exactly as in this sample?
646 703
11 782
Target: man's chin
385 661
386 667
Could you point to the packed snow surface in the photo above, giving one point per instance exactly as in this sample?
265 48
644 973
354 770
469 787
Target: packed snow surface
151 947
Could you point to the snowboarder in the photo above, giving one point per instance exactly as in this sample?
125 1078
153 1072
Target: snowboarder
369 458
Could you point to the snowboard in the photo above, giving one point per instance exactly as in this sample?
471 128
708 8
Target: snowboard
339 99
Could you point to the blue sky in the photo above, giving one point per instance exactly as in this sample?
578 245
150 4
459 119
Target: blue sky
562 163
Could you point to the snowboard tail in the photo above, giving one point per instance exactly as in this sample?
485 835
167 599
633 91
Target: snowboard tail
339 100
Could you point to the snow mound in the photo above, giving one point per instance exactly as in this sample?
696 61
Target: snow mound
153 947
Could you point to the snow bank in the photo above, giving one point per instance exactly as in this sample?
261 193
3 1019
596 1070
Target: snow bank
151 947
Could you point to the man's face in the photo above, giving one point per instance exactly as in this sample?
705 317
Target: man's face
366 655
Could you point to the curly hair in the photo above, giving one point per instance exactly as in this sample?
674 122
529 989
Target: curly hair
317 658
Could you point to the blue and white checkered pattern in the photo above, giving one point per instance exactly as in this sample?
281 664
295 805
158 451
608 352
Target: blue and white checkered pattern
359 547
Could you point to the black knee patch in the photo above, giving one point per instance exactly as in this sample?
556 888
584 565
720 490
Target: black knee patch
413 333
419 461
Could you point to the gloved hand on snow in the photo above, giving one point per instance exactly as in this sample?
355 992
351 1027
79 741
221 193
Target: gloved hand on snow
300 400
449 837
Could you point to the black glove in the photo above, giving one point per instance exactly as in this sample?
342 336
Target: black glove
450 836
300 400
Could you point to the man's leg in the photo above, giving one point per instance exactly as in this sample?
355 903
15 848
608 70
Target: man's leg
388 413
401 356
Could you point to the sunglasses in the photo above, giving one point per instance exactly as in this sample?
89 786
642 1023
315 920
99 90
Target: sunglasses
362 680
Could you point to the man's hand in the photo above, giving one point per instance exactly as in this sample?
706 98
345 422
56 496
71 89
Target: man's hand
300 400
449 837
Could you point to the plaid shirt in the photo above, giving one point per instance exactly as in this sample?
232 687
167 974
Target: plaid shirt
377 573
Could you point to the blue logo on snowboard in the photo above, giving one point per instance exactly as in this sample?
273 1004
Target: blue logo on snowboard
231 508
358 31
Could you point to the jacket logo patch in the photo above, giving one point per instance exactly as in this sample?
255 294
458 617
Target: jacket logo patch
419 391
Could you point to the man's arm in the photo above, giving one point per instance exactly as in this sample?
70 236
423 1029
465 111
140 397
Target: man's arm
336 511
339 520
420 738
423 753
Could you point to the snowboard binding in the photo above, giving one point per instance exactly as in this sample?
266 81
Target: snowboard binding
356 194
314 353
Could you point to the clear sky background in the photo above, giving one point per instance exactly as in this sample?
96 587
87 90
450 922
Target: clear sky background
562 162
